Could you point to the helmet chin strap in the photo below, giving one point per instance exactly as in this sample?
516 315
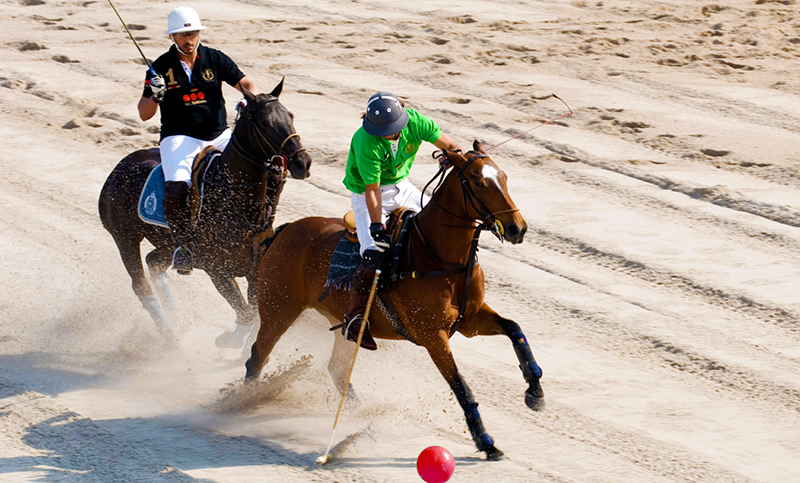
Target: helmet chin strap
172 37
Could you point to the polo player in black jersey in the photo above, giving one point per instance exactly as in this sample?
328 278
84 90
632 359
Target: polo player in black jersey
188 89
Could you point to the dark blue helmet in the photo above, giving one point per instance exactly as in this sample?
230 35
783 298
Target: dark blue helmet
385 115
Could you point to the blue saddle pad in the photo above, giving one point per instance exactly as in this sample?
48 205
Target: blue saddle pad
151 201
344 261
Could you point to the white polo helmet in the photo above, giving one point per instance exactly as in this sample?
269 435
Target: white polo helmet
183 19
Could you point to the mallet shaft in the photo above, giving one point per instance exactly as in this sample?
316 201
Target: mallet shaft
324 458
149 66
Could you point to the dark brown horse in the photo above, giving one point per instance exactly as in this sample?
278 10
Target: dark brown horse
237 210
431 305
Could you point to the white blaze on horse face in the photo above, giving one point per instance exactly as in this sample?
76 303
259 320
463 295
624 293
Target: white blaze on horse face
491 173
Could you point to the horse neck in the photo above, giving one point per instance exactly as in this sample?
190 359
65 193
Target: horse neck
238 169
445 225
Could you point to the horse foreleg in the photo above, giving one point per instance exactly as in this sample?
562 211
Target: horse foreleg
439 350
252 287
246 314
158 262
252 300
488 322
132 259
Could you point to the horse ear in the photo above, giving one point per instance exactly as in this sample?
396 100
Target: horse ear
276 92
455 158
248 95
478 147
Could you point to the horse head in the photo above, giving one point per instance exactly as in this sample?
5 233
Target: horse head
274 130
485 193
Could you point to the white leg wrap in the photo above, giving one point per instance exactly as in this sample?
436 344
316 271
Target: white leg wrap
239 335
251 339
164 293
150 303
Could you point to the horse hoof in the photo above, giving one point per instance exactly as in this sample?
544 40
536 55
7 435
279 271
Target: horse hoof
493 454
534 399
222 340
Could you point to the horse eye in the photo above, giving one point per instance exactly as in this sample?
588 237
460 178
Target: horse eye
478 181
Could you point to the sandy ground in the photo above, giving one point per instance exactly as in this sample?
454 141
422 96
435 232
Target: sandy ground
657 283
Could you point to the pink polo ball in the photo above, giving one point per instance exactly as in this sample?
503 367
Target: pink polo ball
435 464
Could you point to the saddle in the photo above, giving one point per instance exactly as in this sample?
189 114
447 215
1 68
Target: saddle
151 200
397 264
346 257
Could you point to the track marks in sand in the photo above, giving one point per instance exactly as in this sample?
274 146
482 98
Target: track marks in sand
715 194
655 341
635 454
661 280
49 441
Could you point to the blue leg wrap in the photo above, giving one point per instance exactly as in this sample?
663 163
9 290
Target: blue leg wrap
479 435
530 369
485 440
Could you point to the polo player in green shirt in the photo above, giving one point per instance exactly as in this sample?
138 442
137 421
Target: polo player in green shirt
381 154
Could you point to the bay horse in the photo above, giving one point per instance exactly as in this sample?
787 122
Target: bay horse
441 291
238 209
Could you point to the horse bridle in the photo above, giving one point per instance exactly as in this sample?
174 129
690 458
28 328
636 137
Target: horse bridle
490 221
276 155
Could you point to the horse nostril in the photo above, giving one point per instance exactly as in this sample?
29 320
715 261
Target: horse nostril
514 233
300 168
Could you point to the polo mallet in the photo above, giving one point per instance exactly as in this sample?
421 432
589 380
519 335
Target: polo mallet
149 66
537 126
324 458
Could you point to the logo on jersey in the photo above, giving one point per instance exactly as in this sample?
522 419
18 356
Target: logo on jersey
208 75
410 148
194 98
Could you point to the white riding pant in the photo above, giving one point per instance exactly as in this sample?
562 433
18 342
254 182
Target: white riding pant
178 153
393 196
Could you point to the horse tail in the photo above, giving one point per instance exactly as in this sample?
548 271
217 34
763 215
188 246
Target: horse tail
268 241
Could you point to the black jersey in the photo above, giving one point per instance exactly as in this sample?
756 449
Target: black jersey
195 108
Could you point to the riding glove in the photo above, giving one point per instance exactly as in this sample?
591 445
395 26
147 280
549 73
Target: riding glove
158 87
380 235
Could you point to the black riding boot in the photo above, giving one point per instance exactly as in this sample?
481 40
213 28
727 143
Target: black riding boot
359 293
176 209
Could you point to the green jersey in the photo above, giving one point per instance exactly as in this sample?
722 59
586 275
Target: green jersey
372 160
